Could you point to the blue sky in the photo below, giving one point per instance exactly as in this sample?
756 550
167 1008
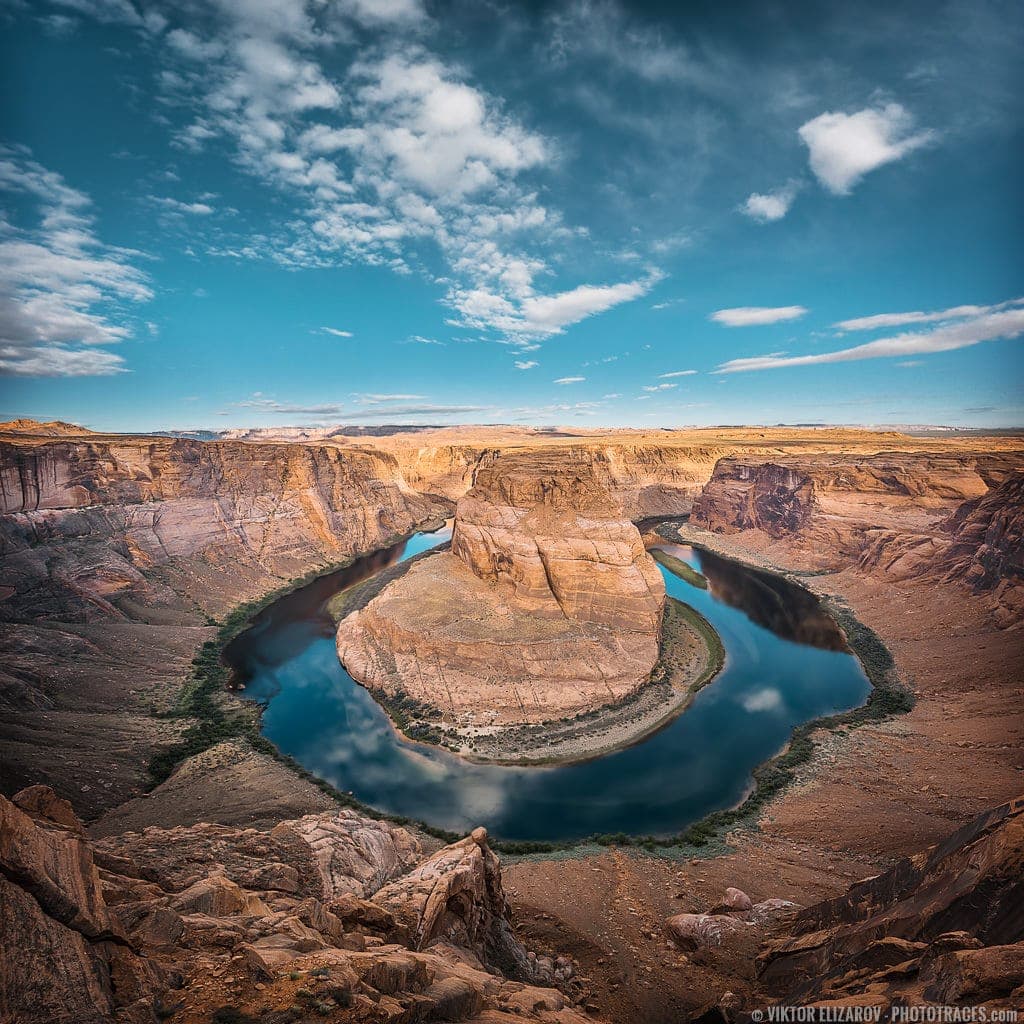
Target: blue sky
269 212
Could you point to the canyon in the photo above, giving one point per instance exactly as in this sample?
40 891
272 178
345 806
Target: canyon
118 553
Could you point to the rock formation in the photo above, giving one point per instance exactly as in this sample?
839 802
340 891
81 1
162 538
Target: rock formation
904 516
546 606
945 926
191 921
117 551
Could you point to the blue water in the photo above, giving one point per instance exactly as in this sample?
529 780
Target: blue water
779 672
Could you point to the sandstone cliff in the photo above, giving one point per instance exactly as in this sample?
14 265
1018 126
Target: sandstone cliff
943 927
903 516
546 606
116 552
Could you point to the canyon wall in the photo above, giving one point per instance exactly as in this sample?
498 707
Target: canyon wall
903 516
118 552
547 604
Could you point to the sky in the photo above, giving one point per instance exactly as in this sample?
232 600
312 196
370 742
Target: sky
223 213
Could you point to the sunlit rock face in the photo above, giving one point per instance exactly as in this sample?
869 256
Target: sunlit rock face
547 604
555 544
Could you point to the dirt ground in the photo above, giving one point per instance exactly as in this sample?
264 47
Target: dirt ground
864 800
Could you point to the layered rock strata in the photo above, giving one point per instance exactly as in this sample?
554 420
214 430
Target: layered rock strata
117 552
547 605
902 516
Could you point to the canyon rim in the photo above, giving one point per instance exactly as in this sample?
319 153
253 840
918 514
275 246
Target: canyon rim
511 512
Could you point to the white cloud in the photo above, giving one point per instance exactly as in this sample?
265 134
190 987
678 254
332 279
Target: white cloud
845 147
377 399
659 387
1004 324
383 12
550 313
61 289
602 31
770 206
337 332
870 323
540 316
526 364
569 380
177 206
752 316
677 373
388 153
257 401
419 339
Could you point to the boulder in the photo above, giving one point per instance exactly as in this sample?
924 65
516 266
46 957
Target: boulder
42 803
218 896
975 975
701 931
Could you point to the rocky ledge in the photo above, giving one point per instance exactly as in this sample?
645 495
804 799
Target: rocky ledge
546 606
328 916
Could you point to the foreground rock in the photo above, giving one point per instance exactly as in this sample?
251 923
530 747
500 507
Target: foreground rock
335 914
546 606
943 927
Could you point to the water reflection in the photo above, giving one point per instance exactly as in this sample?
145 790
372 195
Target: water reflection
780 671
769 600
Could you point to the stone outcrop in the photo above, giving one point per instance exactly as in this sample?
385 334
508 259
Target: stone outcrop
546 606
64 956
945 926
184 921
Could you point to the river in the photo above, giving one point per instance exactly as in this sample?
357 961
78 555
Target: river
786 663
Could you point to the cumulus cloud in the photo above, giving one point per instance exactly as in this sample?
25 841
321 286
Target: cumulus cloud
62 290
770 206
844 147
388 153
540 316
677 373
660 387
526 364
569 380
752 316
1001 325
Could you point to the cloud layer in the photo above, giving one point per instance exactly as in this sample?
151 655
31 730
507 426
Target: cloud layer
1003 322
